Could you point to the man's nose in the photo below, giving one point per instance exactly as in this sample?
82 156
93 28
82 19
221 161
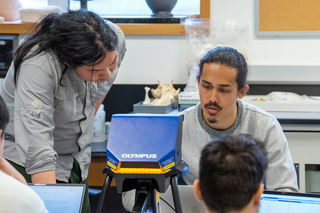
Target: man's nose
213 96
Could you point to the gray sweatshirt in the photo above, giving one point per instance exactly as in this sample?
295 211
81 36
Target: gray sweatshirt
280 174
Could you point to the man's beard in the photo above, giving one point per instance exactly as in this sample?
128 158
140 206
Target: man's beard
212 120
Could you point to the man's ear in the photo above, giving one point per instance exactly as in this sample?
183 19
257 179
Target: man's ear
196 189
257 195
243 91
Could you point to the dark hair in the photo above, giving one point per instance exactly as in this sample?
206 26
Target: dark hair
77 38
228 57
4 114
231 169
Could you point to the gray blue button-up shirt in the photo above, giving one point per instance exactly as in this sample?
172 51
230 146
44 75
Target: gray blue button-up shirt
51 122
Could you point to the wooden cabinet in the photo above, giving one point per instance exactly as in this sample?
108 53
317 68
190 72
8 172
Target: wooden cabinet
96 178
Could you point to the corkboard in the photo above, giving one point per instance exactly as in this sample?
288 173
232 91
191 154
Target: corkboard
287 17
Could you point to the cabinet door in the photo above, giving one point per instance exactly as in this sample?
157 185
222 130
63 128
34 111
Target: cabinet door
305 149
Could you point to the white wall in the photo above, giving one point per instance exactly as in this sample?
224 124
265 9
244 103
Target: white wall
268 51
152 58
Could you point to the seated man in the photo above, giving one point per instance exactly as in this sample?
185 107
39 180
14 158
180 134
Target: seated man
222 82
15 195
232 169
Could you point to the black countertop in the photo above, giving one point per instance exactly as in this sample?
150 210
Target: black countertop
144 19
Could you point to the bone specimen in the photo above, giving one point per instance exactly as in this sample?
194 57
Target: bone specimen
164 99
147 99
163 94
157 92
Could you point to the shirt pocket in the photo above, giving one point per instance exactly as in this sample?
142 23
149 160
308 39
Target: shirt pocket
65 104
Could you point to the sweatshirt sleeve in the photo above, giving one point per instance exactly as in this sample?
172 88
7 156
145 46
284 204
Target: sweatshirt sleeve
33 119
280 174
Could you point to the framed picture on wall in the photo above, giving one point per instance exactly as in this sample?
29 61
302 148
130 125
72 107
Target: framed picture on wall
287 18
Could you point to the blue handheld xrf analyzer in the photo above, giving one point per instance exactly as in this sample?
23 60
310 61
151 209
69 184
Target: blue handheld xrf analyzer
144 152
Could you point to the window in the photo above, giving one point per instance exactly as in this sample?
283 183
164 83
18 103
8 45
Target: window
130 29
125 7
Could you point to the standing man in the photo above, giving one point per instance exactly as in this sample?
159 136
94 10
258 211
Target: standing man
222 82
232 168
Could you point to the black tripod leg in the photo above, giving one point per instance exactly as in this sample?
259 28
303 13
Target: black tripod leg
154 204
103 196
175 194
151 200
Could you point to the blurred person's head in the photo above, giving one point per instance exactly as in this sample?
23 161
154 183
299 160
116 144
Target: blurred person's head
232 169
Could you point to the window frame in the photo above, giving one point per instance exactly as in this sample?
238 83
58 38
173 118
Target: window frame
128 29
164 29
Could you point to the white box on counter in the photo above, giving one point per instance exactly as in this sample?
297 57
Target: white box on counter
313 105
187 99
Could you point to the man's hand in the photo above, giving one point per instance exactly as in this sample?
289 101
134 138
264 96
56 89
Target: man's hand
7 168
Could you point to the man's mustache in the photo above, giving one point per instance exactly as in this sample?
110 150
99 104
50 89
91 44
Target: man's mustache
214 104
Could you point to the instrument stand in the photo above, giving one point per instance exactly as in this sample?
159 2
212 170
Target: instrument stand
146 193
